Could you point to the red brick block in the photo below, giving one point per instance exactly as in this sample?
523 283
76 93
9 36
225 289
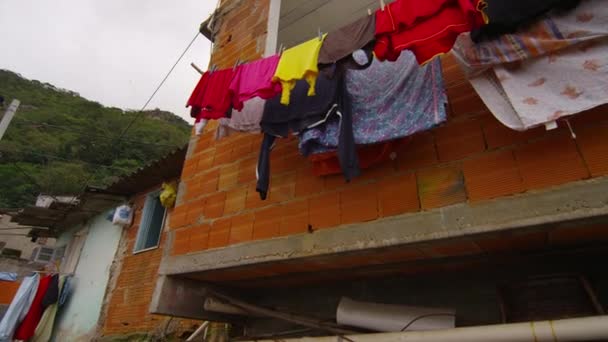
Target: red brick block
498 135
195 211
222 157
551 161
418 153
235 200
359 203
219 235
398 195
324 210
282 187
181 242
242 147
205 160
334 182
199 239
294 218
228 176
247 170
307 183
253 198
188 172
208 182
440 186
177 220
593 143
267 223
203 142
492 175
241 229
214 205
458 140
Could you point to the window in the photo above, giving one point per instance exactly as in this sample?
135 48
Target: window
151 223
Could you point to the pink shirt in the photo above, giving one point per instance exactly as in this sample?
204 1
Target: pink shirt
255 79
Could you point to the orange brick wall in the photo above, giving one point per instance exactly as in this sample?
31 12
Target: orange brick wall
129 301
470 158
8 289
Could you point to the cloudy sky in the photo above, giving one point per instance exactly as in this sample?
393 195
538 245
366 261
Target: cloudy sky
111 51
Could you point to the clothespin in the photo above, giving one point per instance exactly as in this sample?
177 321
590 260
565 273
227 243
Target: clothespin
238 60
320 34
197 68
369 11
572 133
382 5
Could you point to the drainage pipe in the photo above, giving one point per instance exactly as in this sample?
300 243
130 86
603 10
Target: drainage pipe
566 330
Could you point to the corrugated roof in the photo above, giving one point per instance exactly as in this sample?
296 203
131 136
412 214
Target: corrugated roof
94 201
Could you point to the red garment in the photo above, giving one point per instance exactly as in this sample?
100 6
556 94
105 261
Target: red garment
26 329
324 164
427 28
211 97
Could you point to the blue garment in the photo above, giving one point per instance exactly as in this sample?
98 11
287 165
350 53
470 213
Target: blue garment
19 307
65 290
8 276
388 100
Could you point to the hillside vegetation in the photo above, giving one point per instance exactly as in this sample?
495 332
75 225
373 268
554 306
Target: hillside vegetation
58 140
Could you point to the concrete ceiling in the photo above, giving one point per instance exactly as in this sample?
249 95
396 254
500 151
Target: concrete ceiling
301 20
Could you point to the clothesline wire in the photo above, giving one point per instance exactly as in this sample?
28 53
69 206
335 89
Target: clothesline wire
136 117
71 129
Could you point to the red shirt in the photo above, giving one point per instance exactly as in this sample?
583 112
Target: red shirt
26 329
427 28
211 97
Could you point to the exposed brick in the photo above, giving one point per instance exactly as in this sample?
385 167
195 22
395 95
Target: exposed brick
307 183
590 117
253 198
242 147
214 205
551 161
492 175
195 211
418 153
498 135
593 143
199 238
209 182
222 156
235 200
177 220
458 140
241 229
247 170
440 186
267 223
188 172
294 218
359 203
398 195
282 187
219 235
228 176
324 210
334 182
203 142
205 160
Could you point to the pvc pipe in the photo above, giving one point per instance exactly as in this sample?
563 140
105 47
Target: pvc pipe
393 318
566 330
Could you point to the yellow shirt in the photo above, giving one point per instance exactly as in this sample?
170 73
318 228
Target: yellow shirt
299 62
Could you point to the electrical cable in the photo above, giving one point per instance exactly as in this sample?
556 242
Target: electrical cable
425 316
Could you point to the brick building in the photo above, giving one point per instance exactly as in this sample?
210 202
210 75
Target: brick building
470 215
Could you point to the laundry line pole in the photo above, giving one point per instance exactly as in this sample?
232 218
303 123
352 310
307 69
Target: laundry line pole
8 116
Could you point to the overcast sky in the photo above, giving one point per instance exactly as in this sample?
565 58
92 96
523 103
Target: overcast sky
111 51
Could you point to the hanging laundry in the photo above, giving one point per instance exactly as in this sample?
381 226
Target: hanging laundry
211 98
508 16
44 330
246 120
19 307
427 28
8 276
66 290
25 330
539 90
254 80
297 63
340 44
303 111
585 24
52 293
388 101
324 164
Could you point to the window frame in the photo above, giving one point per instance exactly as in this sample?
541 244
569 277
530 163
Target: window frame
149 195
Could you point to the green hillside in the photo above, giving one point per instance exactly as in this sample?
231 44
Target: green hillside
58 140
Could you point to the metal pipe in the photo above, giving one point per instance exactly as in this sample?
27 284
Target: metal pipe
565 330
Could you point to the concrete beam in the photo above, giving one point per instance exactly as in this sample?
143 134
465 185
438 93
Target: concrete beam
575 201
